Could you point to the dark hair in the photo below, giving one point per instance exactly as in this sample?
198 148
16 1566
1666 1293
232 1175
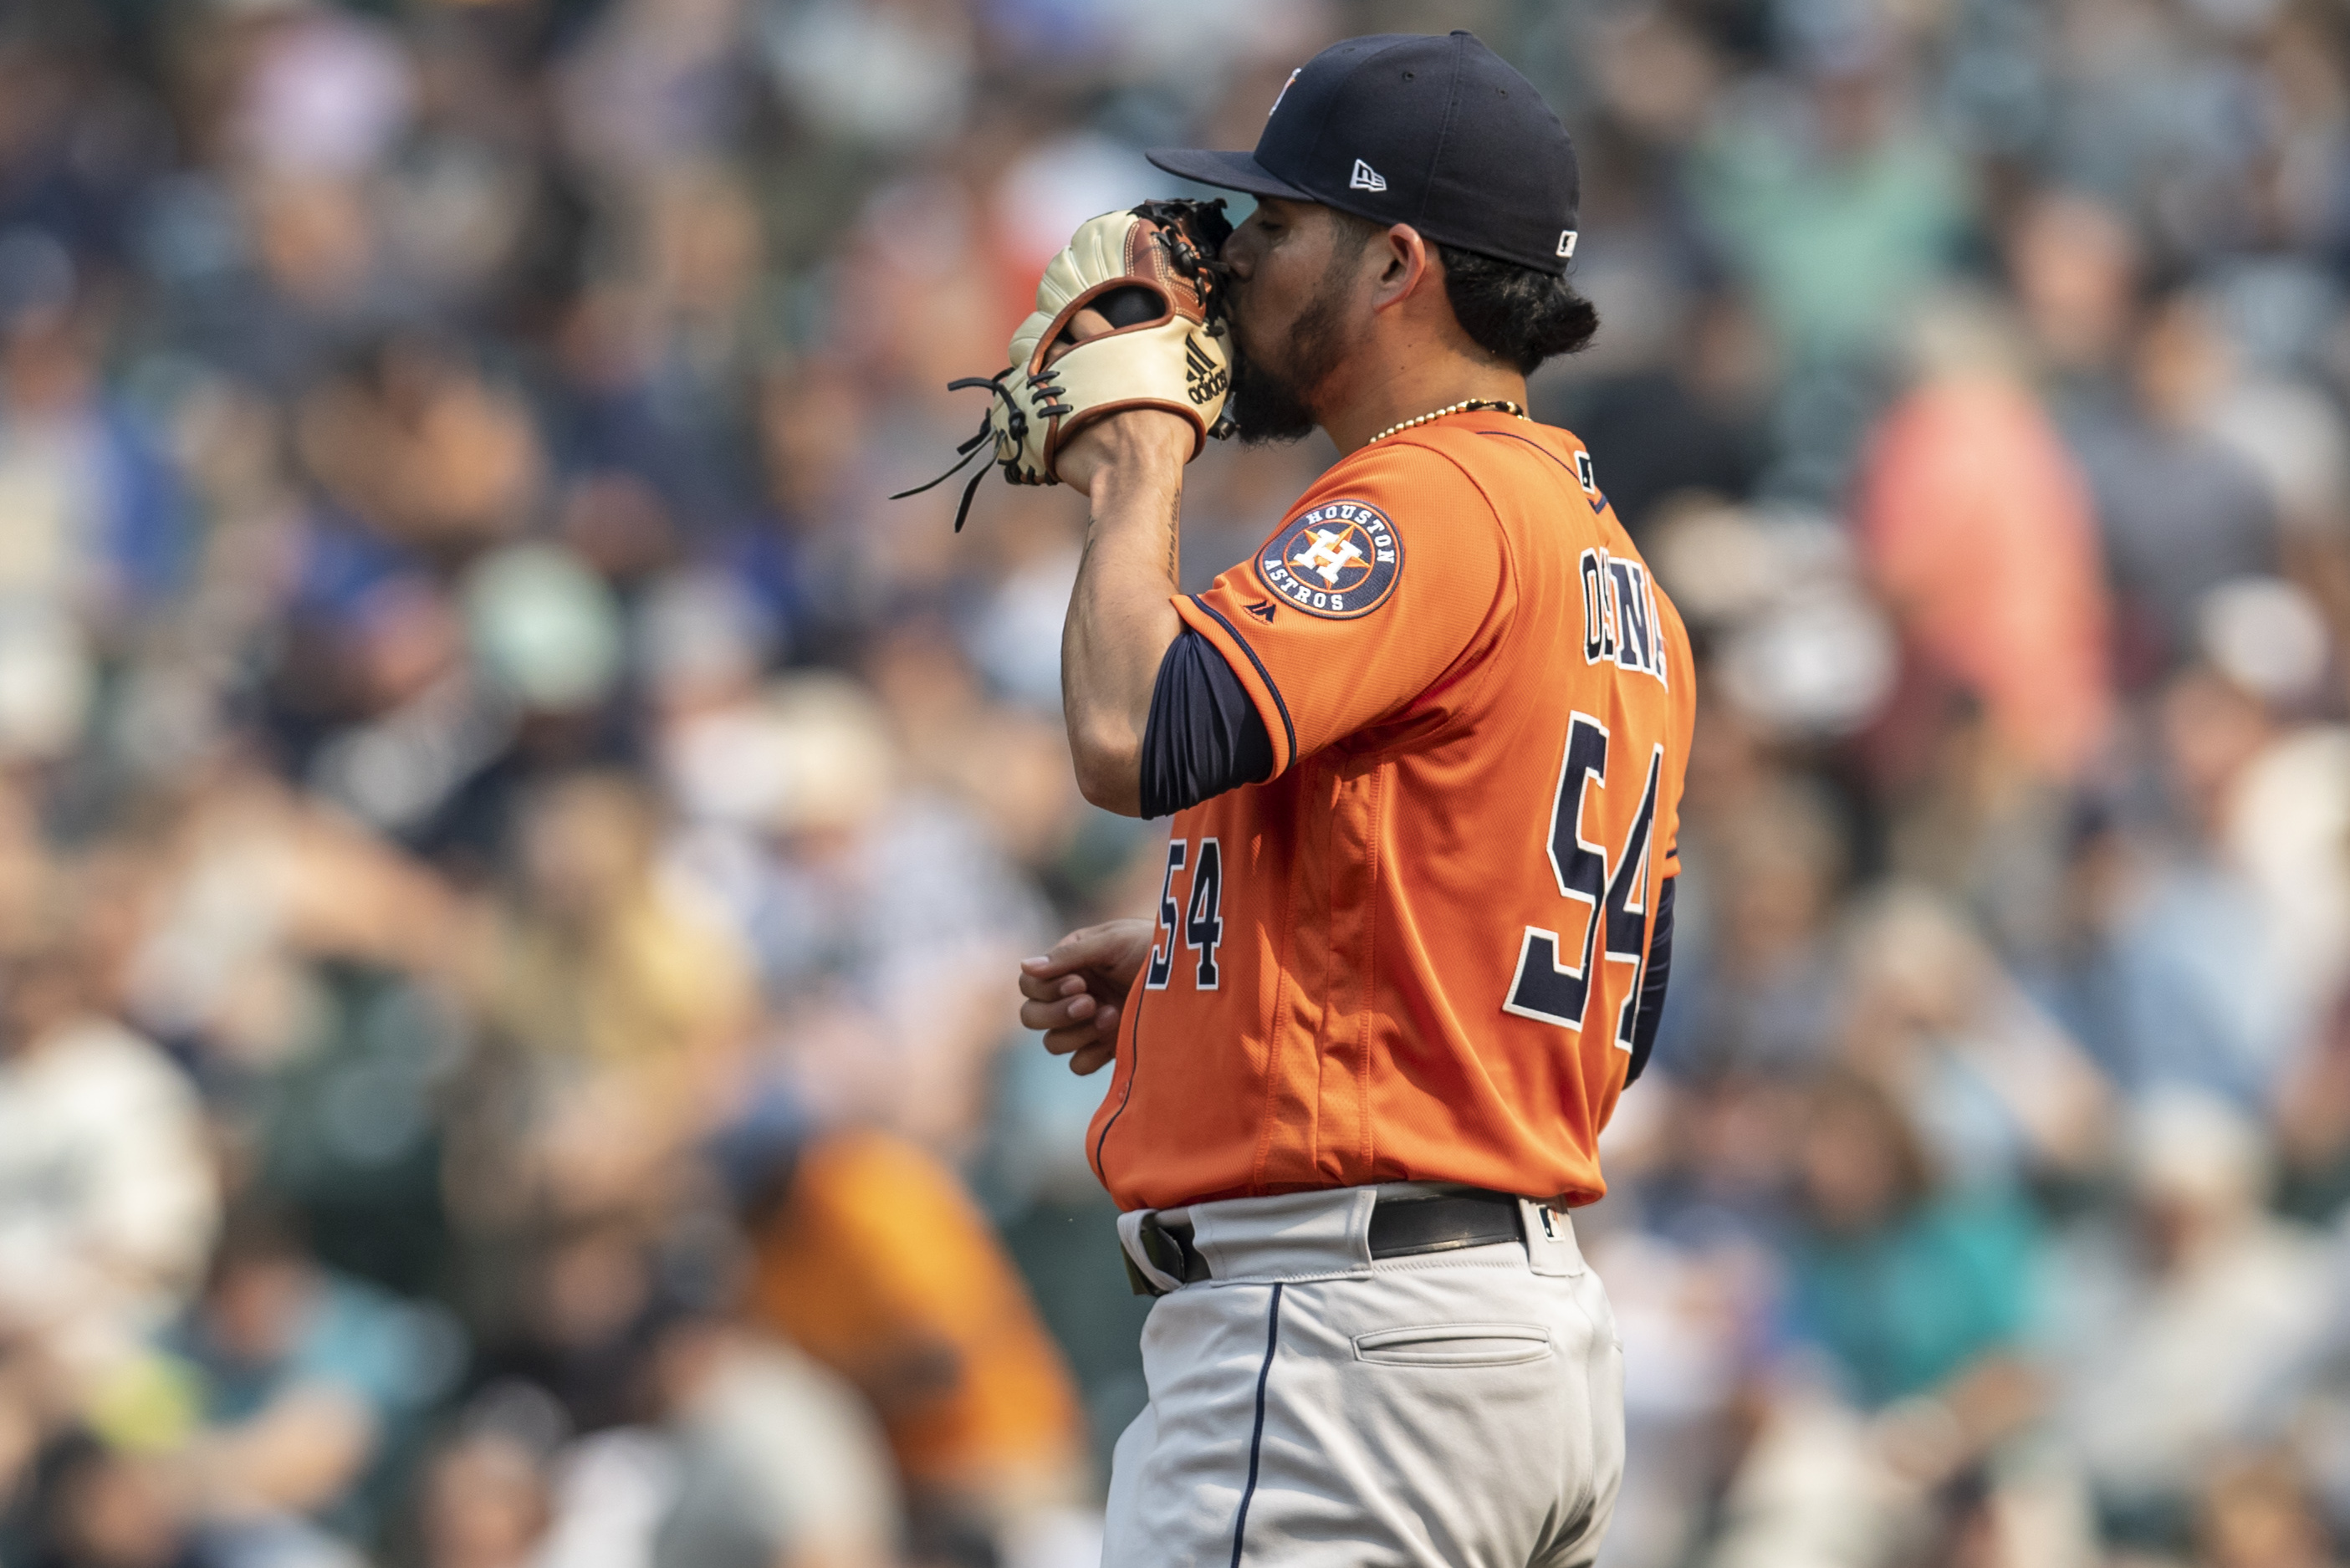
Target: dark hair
1512 312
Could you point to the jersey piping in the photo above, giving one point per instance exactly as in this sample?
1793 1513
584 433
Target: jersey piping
1132 1072
1289 729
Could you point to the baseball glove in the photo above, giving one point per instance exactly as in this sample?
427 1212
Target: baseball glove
1148 283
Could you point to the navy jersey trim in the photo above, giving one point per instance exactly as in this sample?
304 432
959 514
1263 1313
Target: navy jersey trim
1265 675
1256 1438
1134 1066
1653 981
1204 735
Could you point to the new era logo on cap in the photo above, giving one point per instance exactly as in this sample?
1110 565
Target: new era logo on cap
1567 242
1367 178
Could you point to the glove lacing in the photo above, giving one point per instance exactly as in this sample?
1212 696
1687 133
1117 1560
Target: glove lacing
1047 389
971 448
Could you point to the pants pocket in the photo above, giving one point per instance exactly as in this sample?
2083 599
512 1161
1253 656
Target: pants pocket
1455 1344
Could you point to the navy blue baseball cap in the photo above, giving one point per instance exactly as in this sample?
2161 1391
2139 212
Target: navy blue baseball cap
1402 127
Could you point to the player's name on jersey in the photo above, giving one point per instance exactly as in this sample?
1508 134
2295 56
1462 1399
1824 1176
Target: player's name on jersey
1620 615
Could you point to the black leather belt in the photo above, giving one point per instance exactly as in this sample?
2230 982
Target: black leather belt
1400 1226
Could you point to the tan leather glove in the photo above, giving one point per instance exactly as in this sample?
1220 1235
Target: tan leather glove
1151 277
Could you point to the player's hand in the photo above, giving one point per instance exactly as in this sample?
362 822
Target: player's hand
1144 439
1074 992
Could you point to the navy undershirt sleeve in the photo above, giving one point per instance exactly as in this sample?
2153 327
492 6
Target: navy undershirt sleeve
1652 983
1204 735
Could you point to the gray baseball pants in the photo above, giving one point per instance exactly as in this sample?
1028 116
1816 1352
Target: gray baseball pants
1314 1407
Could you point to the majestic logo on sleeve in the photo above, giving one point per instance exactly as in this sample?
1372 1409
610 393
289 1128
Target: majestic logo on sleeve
1338 561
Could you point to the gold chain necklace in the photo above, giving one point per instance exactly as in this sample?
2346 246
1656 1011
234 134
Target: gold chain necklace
1502 404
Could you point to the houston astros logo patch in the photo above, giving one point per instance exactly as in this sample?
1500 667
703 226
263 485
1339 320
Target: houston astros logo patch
1338 561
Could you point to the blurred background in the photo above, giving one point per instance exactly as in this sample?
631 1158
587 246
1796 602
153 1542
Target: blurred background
513 851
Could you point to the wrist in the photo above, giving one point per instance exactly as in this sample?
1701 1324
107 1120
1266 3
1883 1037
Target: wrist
1142 449
1115 491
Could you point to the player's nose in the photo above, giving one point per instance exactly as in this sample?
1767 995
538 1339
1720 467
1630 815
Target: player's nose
1240 253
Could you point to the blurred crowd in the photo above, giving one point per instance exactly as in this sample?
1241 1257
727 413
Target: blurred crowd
513 850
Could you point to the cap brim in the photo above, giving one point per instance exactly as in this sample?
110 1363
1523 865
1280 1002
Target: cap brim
1225 171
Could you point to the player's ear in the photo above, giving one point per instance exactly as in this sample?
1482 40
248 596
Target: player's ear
1403 263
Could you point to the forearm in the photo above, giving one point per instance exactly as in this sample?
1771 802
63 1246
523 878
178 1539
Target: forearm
1120 620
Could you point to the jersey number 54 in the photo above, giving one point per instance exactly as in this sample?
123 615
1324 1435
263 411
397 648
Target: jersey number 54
1200 924
1553 983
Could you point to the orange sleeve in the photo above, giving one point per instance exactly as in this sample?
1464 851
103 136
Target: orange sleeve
1368 597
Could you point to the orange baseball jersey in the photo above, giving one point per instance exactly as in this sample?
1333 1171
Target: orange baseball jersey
1415 951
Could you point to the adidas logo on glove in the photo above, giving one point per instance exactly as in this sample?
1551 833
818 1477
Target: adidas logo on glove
1204 377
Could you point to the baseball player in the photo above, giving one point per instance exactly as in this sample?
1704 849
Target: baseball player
1423 755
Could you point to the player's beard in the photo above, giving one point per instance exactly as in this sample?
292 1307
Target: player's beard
1269 402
